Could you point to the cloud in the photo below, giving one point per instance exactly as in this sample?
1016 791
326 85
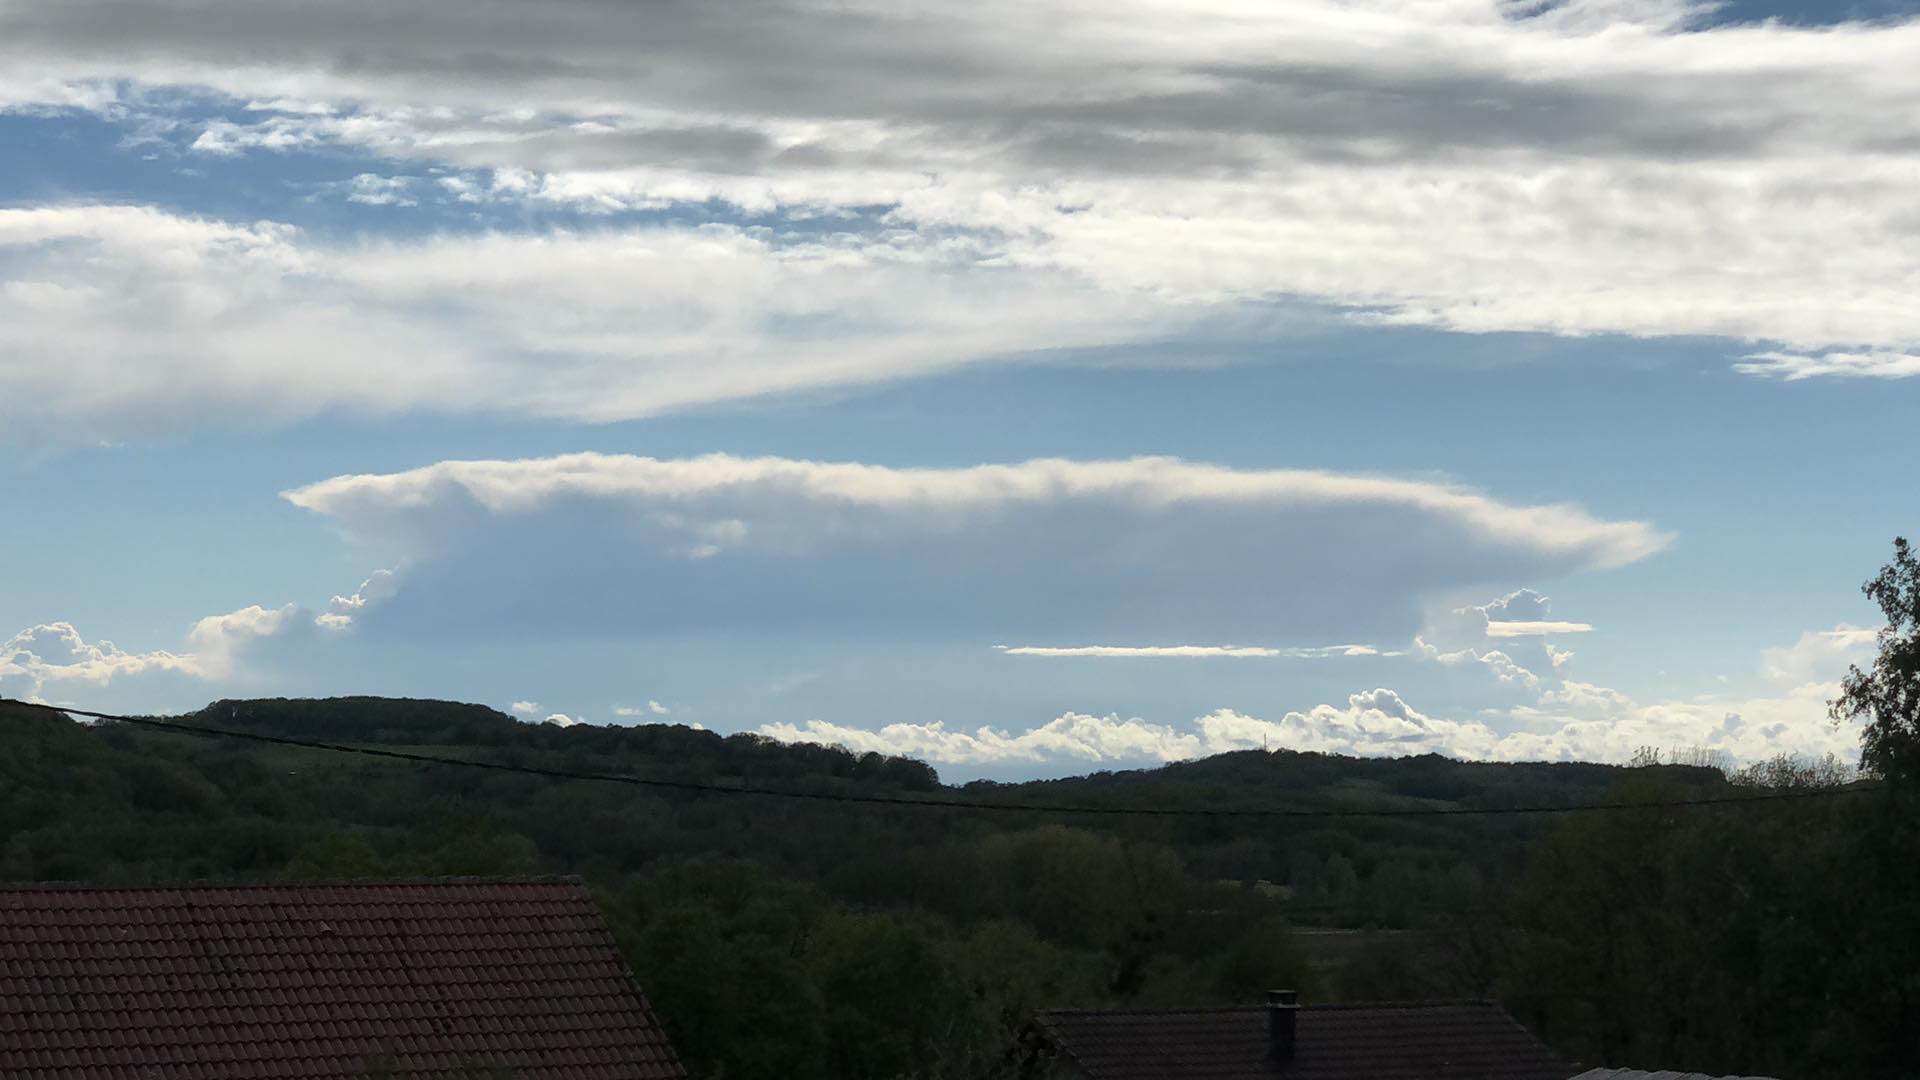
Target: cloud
651 708
372 189
379 586
121 319
1374 722
218 640
563 720
1583 723
1505 628
55 653
1054 547
1589 167
52 655
1186 652
1847 365
527 708
1464 635
1820 656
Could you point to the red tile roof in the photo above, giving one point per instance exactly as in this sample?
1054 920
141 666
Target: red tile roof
1441 1040
303 982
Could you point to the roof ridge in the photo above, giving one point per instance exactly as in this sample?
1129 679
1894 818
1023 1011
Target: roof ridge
320 883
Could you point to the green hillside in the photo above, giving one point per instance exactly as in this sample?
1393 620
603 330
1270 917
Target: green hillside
831 939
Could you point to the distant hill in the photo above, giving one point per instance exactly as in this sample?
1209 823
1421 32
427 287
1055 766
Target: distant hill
663 749
814 938
115 802
684 750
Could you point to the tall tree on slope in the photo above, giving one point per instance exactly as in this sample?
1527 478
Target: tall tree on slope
1887 696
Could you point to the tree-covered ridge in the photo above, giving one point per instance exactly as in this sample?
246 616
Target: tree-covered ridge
835 940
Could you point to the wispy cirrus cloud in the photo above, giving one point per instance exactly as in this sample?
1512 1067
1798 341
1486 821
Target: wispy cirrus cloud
1508 628
1188 652
1793 367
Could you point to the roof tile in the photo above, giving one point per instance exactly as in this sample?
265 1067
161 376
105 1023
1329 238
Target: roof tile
314 982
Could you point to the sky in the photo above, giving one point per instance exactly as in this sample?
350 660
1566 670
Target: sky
1029 386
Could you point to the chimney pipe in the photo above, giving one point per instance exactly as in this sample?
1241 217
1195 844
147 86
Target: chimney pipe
1282 1007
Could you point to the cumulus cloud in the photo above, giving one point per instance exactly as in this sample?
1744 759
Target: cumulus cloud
41 658
1465 635
1582 167
650 709
372 189
341 610
1187 652
119 319
1820 656
527 708
217 640
55 653
1583 724
1054 547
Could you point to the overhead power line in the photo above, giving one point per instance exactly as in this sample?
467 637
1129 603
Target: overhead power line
938 803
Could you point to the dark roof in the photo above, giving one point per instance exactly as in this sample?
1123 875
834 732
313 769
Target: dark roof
1439 1040
1638 1074
303 982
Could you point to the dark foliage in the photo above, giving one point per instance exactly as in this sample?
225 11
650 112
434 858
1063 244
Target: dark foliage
800 939
1887 696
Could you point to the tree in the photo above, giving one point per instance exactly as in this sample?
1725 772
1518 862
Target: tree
1888 695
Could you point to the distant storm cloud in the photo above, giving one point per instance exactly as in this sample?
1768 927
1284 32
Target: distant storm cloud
1045 548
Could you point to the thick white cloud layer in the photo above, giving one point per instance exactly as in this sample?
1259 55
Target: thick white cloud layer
1105 549
117 319
1582 167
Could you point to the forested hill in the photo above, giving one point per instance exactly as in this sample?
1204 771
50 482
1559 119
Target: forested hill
666 750
805 939
681 753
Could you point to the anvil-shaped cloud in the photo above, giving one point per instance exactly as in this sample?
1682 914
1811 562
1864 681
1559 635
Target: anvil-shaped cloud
1130 549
